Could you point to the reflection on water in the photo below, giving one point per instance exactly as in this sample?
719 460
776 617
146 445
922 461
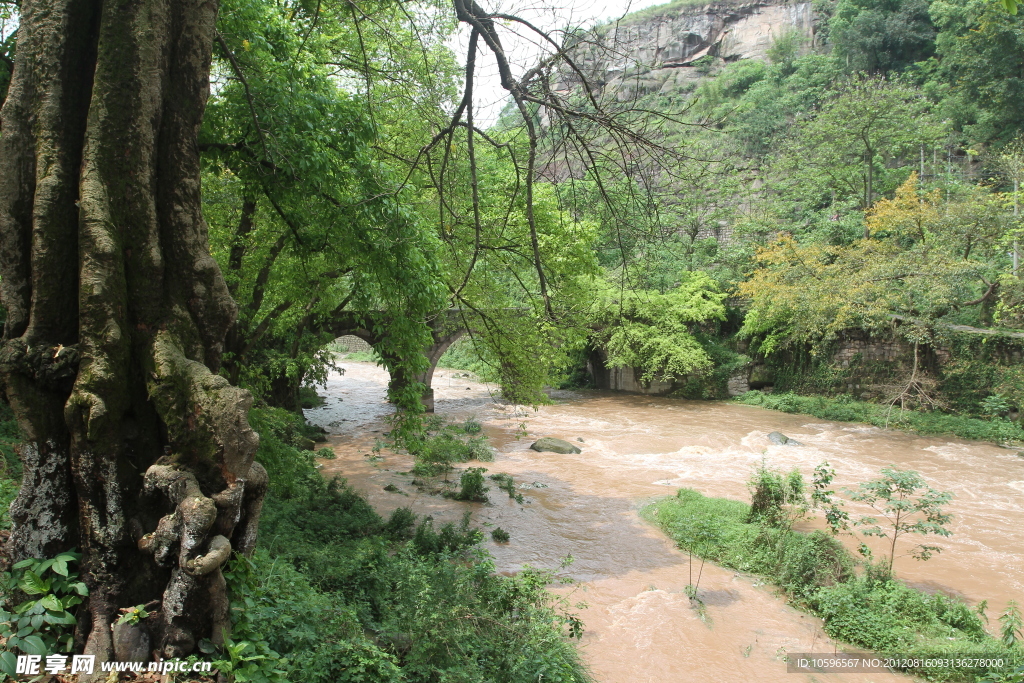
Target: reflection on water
640 624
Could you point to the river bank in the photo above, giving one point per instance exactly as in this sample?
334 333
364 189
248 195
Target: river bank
637 449
998 430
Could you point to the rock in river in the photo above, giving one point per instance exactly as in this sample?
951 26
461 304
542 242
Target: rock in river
781 439
551 445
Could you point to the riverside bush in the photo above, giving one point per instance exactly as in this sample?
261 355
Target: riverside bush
471 486
446 444
873 611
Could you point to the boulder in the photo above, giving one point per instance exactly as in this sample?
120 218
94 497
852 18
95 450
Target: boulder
780 439
552 445
131 642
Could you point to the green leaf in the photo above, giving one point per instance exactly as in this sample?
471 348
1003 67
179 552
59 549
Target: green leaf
34 645
24 563
63 618
51 602
8 663
60 566
33 585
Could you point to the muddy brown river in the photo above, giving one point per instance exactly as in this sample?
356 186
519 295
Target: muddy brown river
640 626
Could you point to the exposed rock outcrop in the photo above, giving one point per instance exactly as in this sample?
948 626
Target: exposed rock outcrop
656 51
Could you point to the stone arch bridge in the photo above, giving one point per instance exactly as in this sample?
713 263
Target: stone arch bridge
446 328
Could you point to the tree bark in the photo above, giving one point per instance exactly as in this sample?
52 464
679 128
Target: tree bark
135 450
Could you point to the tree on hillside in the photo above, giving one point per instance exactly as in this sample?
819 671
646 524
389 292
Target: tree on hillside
977 74
843 150
924 261
135 450
880 36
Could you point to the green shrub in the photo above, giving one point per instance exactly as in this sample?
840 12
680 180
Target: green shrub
813 561
291 470
889 616
450 539
873 611
471 486
400 524
771 491
335 593
444 445
45 622
500 535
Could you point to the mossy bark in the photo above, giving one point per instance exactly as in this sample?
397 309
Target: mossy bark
136 451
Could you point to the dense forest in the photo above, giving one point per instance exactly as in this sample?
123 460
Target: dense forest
196 202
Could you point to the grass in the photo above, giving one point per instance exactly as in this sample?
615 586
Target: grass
465 354
844 408
872 610
362 357
443 445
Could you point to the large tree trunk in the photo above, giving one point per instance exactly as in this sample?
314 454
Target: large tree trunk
136 451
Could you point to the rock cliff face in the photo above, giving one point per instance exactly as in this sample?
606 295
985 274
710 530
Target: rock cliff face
656 51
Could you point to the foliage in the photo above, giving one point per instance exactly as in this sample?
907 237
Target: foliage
879 37
874 611
825 499
45 622
344 595
507 484
466 354
500 535
924 260
309 398
976 73
908 505
1011 624
442 445
888 616
653 331
849 145
310 228
281 434
471 486
771 492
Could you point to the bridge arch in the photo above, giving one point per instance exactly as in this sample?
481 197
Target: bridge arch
446 329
